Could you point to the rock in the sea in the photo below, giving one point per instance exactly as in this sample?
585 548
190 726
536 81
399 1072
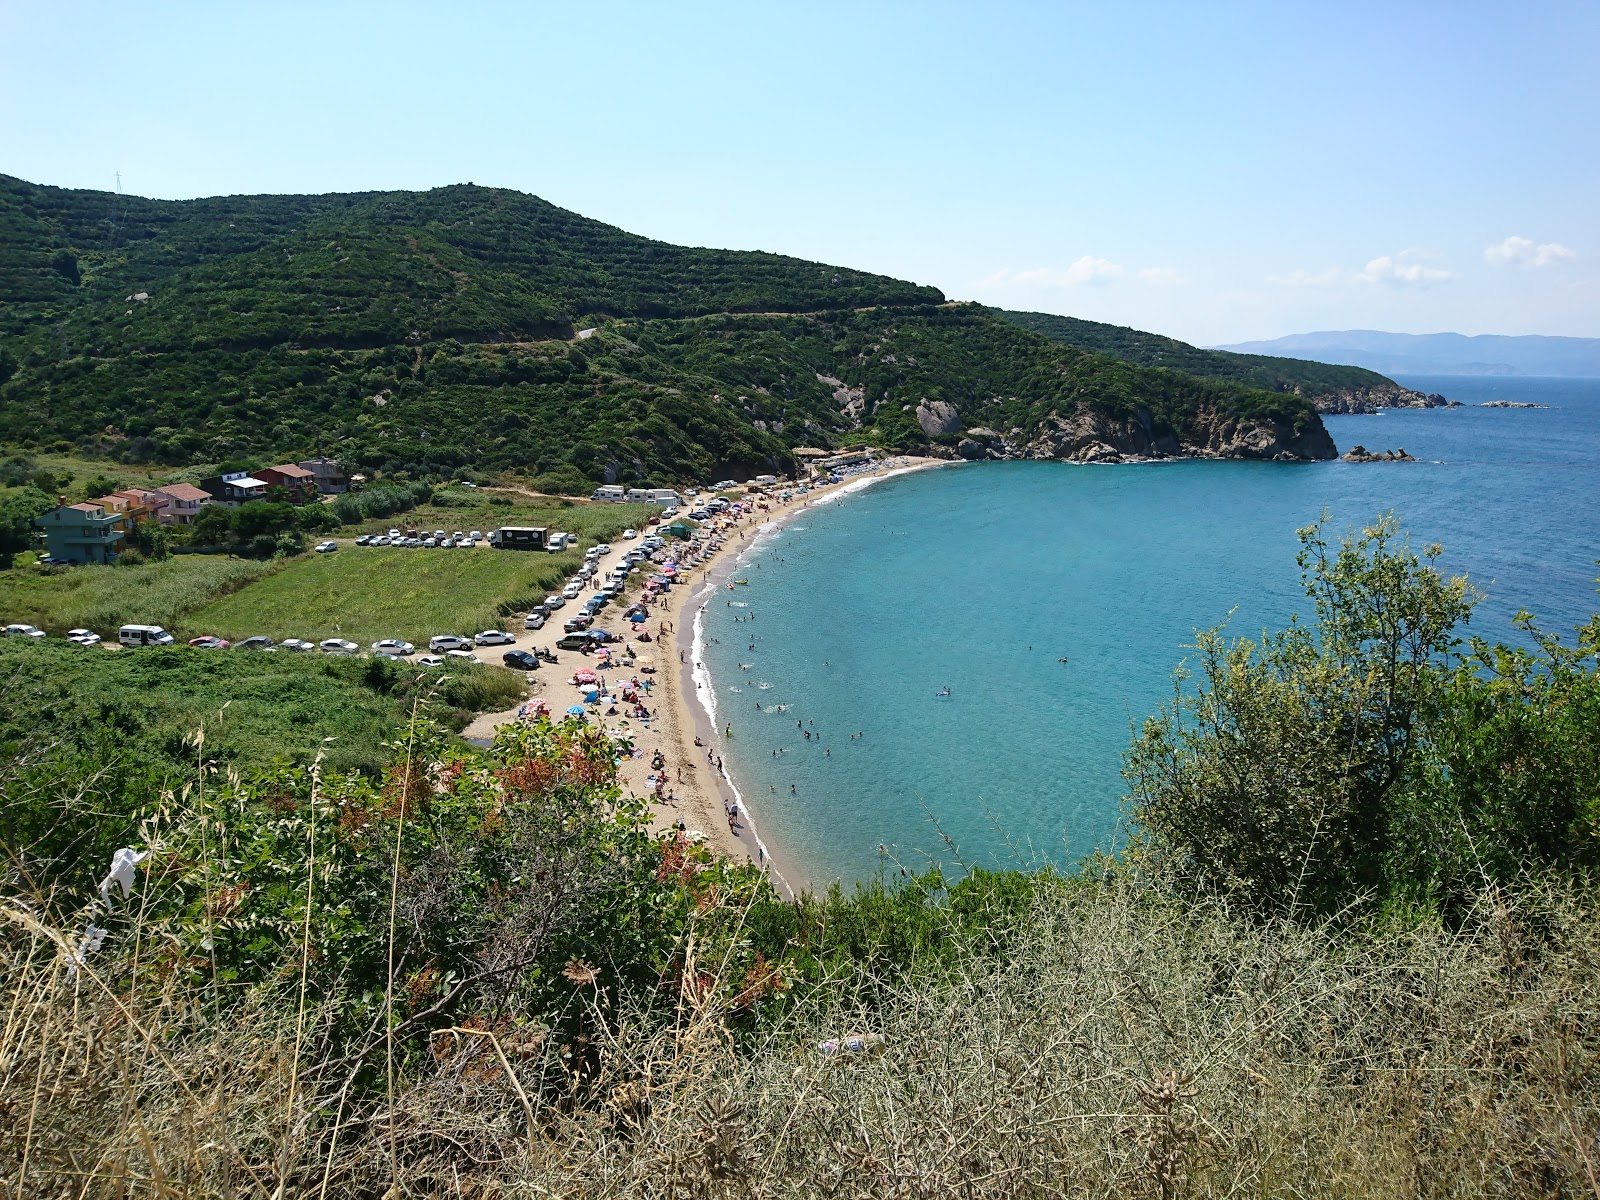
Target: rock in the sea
1510 404
1360 454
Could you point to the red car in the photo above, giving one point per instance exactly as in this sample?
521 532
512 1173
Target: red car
209 643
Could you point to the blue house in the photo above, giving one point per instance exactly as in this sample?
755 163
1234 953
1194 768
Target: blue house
83 533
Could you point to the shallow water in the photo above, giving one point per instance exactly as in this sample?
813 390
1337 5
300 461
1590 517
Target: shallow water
981 577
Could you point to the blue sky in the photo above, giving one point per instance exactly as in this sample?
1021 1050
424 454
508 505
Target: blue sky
1216 172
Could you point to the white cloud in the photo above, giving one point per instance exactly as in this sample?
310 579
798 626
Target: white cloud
1163 276
1403 270
1522 252
1409 268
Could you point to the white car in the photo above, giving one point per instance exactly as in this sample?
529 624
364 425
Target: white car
554 602
298 645
430 542
448 641
462 655
327 547
494 637
430 660
83 637
629 534
534 621
572 591
339 646
393 646
24 631
604 547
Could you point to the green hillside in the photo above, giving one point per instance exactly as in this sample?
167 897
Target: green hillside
435 332
1311 379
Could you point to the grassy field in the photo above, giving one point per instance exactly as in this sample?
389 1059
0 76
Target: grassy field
103 598
467 510
256 709
366 593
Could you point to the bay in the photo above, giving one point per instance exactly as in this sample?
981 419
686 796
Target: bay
979 578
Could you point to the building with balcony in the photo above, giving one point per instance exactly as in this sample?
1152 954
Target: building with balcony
83 533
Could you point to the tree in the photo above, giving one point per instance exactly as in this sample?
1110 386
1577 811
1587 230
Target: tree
101 485
1272 782
211 527
257 517
18 508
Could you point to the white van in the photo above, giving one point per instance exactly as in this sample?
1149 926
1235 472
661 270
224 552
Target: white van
144 635
555 542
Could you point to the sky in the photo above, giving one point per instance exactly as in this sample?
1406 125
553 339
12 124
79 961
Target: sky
1215 172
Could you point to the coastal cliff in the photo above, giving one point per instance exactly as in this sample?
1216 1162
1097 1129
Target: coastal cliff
1087 436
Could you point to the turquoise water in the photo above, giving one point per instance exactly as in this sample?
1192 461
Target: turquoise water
979 577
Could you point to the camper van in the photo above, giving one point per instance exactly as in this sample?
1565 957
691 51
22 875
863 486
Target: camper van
518 537
144 635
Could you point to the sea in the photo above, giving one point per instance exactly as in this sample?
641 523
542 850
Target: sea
1053 603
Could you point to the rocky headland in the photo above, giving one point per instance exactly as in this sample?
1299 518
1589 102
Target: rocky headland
1088 436
1360 454
1365 401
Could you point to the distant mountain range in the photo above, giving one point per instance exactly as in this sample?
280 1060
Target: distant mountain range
1439 353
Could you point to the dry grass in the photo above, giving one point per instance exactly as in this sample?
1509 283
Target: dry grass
1124 1047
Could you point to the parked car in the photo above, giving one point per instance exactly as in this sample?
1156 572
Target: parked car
430 542
572 591
258 642
629 534
339 646
572 641
83 637
604 547
448 641
295 645
327 547
475 536
554 602
573 624
430 661
209 642
493 637
393 646
364 539
520 660
25 631
462 655
534 621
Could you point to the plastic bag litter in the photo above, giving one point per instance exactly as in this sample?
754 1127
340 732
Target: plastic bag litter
851 1044
123 863
90 942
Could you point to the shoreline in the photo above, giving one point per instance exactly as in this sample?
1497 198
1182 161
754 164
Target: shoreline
698 787
694 694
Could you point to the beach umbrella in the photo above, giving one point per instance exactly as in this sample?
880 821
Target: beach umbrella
637 617
583 676
575 711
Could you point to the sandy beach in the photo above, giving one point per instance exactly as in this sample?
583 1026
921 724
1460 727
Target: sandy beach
695 789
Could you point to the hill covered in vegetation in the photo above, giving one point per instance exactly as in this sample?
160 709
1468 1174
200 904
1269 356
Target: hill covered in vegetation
1331 387
445 330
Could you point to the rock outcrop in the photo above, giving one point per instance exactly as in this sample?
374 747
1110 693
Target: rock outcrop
1087 436
1510 404
938 417
1360 454
1364 401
